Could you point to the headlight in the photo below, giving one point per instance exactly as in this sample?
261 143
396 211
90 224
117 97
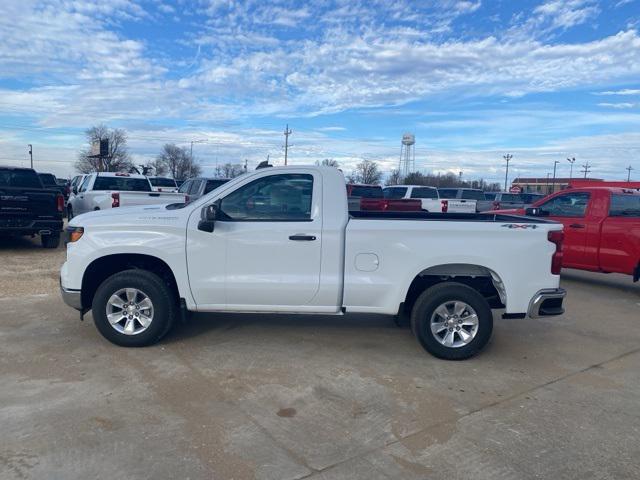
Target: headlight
73 234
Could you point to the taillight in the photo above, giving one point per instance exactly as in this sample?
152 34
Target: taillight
556 237
496 205
60 203
445 206
115 200
186 199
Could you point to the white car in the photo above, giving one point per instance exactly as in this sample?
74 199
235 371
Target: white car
427 195
105 190
163 184
281 240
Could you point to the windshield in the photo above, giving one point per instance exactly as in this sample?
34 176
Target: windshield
394 192
123 184
48 179
366 192
162 182
19 178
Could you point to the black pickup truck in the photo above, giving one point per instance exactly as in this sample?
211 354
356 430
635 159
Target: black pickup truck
27 208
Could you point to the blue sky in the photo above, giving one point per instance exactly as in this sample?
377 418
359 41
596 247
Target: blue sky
473 80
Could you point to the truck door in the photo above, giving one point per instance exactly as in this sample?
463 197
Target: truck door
270 231
619 240
570 209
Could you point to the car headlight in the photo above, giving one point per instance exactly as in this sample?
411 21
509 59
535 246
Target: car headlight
73 234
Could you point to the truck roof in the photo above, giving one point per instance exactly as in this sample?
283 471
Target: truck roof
628 191
119 174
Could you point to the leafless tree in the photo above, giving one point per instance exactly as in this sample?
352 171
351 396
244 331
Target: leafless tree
117 158
229 170
366 172
394 177
328 162
177 162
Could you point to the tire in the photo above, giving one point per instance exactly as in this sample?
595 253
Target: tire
162 313
50 241
466 332
69 213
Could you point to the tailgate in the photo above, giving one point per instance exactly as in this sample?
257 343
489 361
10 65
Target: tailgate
461 206
19 207
129 199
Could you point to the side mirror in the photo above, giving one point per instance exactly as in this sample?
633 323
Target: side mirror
208 216
535 212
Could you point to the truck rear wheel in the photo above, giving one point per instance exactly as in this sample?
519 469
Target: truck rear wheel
51 240
452 321
134 308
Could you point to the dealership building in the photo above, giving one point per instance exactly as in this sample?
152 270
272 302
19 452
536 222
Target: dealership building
547 185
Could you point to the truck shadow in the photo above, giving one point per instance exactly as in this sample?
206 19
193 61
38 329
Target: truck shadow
621 283
19 243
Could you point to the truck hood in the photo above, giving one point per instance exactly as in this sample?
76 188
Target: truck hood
138 215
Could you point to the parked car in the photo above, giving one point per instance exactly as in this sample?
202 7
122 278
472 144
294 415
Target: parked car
104 190
282 240
194 188
464 200
371 198
601 227
163 184
28 208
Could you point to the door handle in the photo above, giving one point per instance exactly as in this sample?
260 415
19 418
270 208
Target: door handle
576 225
302 238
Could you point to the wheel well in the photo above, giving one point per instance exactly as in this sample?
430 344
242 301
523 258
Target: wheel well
481 279
102 268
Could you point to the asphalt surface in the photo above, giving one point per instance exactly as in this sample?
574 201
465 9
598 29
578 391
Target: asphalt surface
284 397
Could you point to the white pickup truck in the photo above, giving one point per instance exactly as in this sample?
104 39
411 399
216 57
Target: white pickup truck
282 240
101 191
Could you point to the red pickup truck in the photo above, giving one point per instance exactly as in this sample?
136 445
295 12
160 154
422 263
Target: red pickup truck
371 197
601 227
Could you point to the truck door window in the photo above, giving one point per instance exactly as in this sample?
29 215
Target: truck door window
568 205
394 192
625 206
274 198
184 188
194 189
83 185
472 195
424 193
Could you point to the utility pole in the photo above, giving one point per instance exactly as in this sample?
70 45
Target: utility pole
508 158
245 165
586 168
571 160
628 169
548 183
555 164
287 132
31 154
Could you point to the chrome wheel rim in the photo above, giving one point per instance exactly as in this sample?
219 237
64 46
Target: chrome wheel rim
454 324
129 311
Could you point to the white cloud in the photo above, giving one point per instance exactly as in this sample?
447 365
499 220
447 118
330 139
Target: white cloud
620 105
626 91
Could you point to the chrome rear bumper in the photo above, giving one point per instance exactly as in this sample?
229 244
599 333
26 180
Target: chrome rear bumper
547 303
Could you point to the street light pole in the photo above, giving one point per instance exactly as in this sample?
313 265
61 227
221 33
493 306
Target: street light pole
628 169
571 160
555 164
508 158
31 154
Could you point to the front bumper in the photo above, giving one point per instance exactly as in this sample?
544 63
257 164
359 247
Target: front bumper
73 298
547 303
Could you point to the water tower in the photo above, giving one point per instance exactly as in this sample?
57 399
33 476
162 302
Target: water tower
407 154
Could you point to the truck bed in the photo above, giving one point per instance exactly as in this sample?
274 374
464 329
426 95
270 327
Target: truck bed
458 217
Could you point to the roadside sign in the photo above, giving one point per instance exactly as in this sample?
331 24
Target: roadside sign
515 189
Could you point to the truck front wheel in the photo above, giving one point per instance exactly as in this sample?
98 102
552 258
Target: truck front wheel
133 308
452 321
